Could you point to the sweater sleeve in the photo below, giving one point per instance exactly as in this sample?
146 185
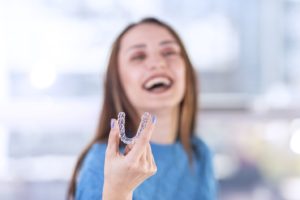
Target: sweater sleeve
91 175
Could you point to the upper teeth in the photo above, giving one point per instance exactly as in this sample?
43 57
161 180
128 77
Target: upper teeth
157 80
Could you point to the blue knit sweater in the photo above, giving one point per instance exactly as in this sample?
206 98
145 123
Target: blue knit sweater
175 179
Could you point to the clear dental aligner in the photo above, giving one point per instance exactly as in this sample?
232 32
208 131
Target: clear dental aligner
121 122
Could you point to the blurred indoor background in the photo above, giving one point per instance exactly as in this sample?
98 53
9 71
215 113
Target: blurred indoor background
53 54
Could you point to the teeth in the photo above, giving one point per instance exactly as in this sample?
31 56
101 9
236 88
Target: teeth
158 80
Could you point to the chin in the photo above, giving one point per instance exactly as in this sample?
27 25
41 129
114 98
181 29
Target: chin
159 106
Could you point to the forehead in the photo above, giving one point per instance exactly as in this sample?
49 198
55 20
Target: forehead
148 34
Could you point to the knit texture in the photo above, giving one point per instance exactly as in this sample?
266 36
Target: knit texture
175 179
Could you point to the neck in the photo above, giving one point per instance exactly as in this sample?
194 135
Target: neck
165 131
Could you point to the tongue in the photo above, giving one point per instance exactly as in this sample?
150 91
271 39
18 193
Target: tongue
159 89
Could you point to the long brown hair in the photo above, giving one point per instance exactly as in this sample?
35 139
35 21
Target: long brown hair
116 101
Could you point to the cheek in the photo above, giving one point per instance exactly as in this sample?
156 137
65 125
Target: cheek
180 71
129 80
181 83
182 77
181 80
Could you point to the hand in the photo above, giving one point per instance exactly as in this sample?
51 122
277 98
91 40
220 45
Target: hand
123 173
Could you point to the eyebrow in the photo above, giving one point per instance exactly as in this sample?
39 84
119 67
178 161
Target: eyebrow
168 42
164 42
136 46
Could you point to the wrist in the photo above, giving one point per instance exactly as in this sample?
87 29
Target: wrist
114 193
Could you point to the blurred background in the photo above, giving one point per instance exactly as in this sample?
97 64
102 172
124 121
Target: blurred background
53 55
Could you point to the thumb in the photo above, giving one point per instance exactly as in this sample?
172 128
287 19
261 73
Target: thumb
113 139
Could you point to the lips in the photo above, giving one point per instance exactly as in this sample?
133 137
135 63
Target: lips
158 83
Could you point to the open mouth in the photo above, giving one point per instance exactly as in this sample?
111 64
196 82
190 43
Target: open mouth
158 84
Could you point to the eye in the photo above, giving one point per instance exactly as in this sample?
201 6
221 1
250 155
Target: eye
169 53
138 57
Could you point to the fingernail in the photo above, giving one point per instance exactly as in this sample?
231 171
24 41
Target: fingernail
112 123
153 119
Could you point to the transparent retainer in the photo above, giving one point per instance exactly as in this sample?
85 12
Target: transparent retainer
121 121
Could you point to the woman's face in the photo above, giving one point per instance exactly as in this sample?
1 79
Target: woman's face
151 68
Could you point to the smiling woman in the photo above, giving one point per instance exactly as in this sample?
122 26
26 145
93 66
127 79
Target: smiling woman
148 71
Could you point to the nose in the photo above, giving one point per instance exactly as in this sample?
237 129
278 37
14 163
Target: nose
156 61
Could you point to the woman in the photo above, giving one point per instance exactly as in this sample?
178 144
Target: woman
148 71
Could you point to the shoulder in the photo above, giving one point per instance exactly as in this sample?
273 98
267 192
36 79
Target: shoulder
204 157
91 173
94 159
200 148
91 169
96 151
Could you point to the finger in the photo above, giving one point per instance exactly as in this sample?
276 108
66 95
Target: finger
153 165
144 157
144 138
150 157
150 160
113 139
153 162
148 153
